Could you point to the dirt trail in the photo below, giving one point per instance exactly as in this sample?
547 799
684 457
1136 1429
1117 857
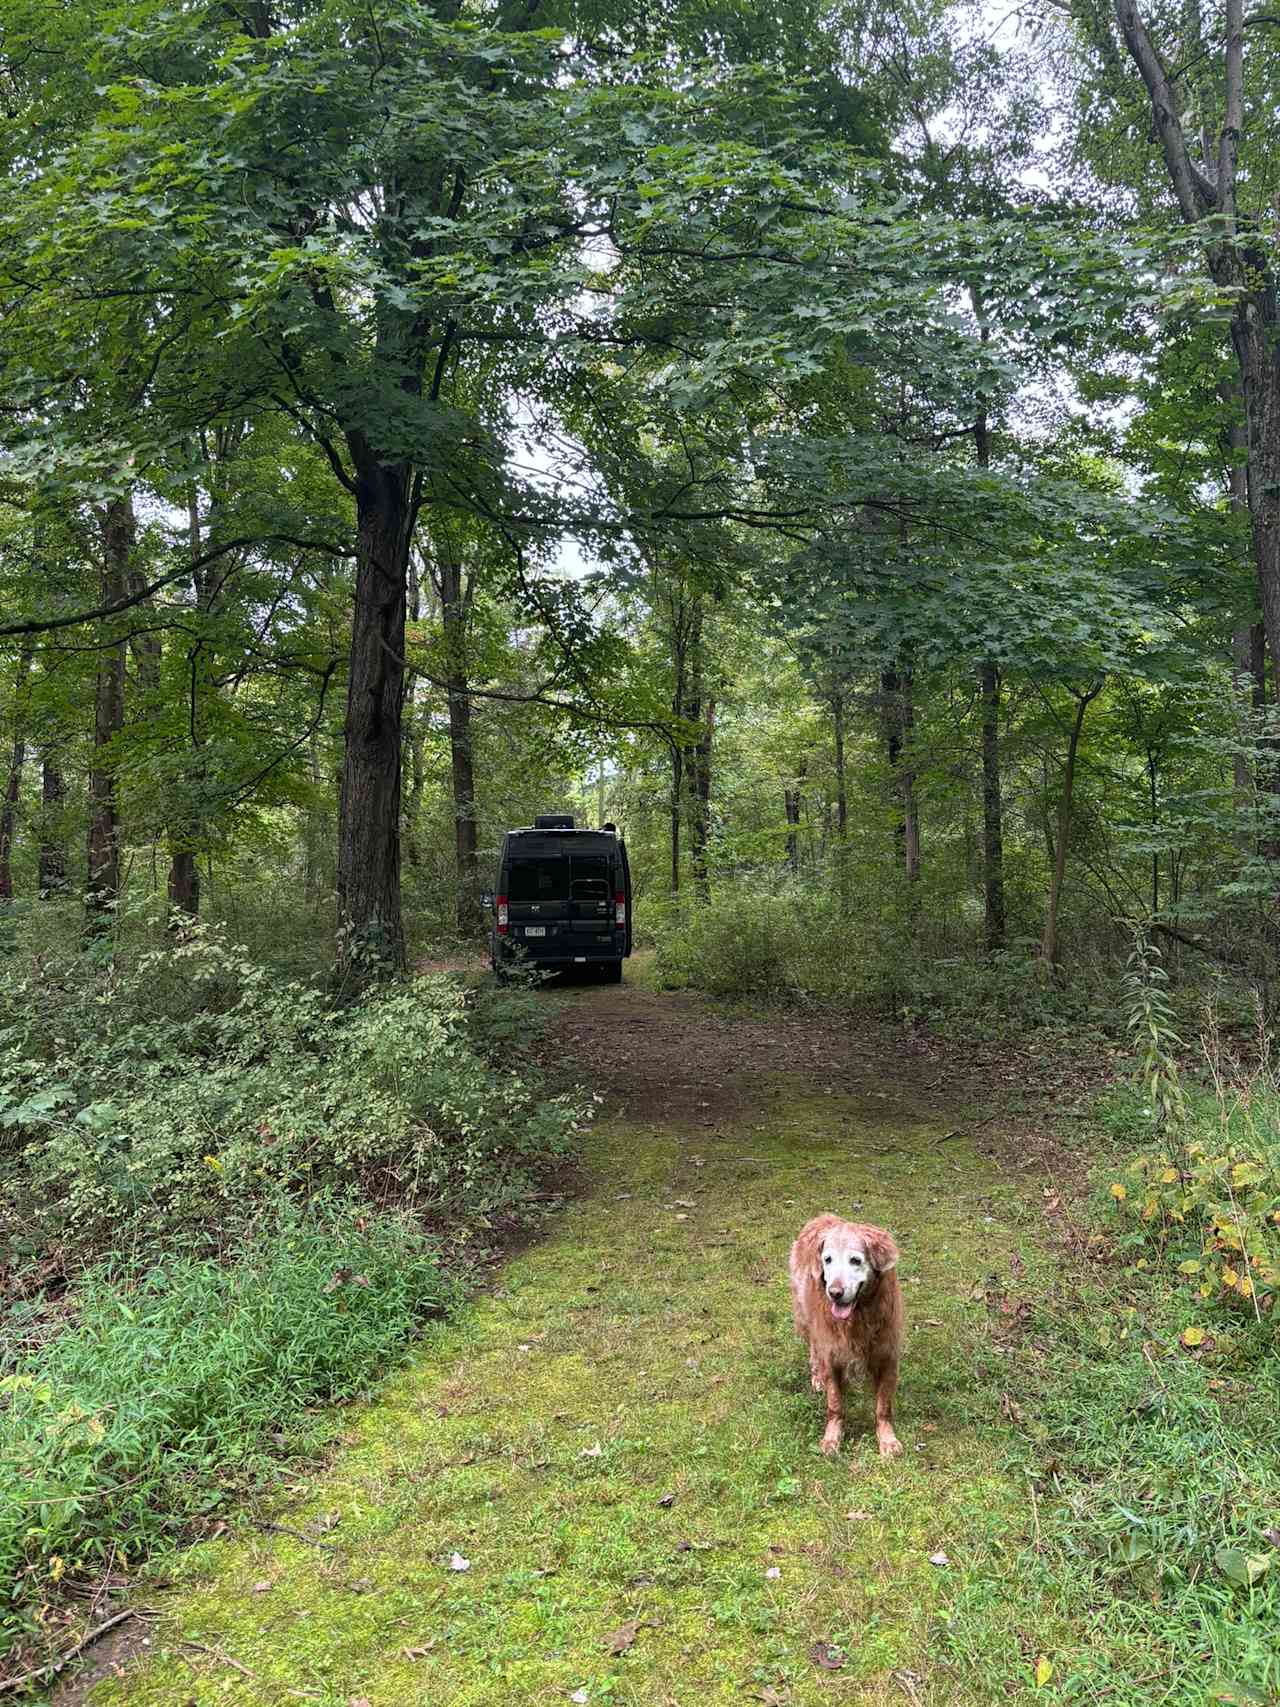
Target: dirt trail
600 1482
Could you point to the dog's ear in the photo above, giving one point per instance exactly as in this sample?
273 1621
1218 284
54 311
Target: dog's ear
881 1250
806 1253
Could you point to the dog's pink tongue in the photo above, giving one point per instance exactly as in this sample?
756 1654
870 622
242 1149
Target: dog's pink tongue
842 1312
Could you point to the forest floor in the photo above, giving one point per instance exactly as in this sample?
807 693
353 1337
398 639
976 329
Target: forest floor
600 1482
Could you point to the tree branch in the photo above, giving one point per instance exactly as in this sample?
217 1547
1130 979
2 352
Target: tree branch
1196 195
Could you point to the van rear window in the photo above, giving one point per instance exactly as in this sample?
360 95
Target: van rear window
538 880
584 877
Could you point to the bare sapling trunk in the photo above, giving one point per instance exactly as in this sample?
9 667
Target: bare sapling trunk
1050 947
17 764
102 890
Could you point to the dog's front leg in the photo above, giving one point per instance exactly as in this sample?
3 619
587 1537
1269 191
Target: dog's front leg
834 1384
884 1377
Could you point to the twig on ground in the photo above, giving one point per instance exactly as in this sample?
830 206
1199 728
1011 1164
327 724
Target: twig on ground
77 1648
283 1529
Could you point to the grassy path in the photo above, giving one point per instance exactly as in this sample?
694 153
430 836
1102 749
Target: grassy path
621 1441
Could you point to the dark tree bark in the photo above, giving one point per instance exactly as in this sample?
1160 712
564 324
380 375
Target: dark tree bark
17 764
102 890
53 853
1050 947
370 924
992 812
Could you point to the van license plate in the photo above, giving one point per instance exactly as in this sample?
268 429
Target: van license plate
535 930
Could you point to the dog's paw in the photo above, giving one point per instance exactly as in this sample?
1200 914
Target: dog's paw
818 1385
890 1446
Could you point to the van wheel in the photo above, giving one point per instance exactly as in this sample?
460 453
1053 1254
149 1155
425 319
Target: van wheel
611 972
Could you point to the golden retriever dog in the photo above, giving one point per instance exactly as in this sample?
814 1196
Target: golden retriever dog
848 1310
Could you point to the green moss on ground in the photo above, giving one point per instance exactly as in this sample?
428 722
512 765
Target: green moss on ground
645 1350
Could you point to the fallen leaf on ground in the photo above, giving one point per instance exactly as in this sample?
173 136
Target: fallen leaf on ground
596 1451
773 1573
939 1559
826 1656
667 1501
579 1695
1044 1671
359 1701
858 1516
458 1563
419 1653
770 1697
623 1637
262 1588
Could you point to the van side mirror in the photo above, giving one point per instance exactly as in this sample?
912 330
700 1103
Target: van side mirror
486 900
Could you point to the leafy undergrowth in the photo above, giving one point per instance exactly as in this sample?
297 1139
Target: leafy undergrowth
602 1482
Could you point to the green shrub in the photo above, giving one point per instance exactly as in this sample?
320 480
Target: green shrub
1204 1199
176 1089
798 942
167 1389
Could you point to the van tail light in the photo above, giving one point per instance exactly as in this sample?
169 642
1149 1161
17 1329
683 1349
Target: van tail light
620 908
500 902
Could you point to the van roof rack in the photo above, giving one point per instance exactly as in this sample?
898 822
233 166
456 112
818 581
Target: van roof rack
554 821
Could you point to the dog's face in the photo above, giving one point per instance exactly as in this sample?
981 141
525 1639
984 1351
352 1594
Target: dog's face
847 1270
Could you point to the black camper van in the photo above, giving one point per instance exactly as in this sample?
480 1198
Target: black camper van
563 898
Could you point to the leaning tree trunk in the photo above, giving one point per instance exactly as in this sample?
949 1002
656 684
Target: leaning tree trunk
370 923
102 890
17 764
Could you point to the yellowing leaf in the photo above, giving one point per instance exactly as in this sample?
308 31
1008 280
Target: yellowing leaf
1191 1267
1246 1287
1193 1336
1044 1671
1119 1192
1168 1176
1230 1277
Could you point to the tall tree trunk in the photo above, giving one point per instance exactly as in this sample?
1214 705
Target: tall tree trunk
992 811
315 827
791 806
1050 947
466 835
699 763
102 890
184 882
17 763
898 717
842 787
370 923
677 786
1238 259
989 684
53 853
